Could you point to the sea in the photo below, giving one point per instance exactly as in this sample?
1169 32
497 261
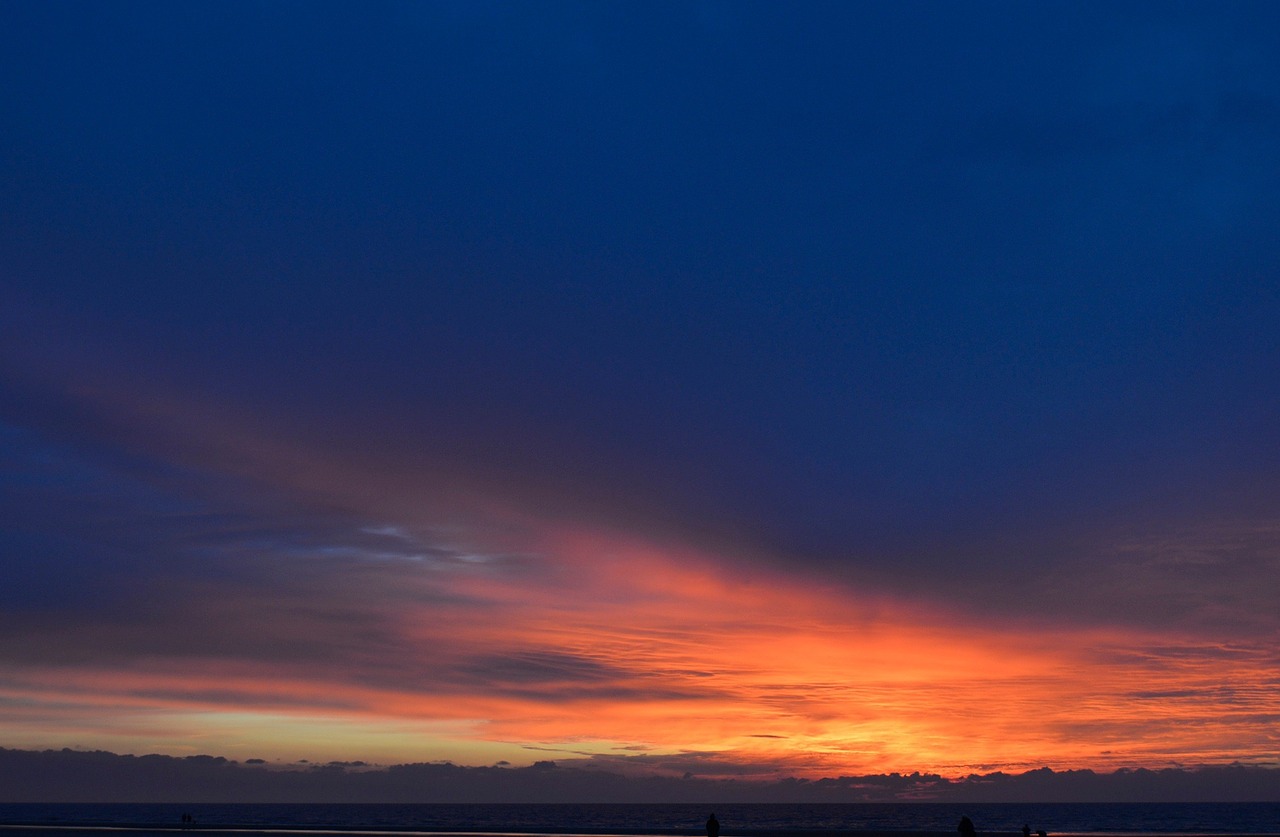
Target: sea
737 820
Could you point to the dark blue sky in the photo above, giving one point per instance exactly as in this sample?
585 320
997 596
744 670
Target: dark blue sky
957 300
846 278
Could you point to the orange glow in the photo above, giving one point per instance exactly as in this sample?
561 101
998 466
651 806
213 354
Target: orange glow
606 647
584 641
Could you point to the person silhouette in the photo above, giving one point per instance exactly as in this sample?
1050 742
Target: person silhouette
1026 830
713 826
965 828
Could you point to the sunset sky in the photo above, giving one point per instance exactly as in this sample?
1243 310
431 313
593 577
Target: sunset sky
746 389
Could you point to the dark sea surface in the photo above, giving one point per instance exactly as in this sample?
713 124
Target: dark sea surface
768 820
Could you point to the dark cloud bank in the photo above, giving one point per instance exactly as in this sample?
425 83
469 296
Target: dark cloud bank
75 776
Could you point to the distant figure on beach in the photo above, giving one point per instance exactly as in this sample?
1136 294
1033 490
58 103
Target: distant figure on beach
1026 830
713 826
965 828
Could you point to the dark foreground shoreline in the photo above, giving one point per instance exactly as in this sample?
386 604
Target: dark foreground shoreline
127 830
634 820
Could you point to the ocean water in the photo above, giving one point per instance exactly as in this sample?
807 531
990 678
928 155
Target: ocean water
765 820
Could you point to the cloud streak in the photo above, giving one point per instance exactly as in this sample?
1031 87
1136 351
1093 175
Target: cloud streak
302 603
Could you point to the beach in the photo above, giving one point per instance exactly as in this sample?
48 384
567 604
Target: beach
638 820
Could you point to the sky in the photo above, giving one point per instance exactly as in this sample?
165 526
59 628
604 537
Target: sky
734 389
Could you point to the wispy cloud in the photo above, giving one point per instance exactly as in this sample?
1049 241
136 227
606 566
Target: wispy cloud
295 601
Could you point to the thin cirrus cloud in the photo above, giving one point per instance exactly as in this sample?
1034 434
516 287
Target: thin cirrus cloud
261 610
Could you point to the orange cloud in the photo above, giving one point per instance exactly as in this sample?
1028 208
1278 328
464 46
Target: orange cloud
407 641
608 646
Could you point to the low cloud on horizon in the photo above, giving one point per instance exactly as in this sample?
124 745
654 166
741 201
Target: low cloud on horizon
67 776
